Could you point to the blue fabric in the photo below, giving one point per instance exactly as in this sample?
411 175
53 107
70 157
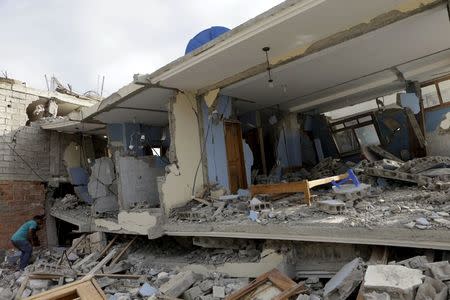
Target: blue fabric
205 36
22 233
26 249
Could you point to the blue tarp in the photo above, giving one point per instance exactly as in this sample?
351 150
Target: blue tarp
205 36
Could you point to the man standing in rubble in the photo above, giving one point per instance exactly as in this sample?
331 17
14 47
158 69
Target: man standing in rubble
25 238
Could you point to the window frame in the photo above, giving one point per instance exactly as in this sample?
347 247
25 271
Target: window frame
353 127
436 82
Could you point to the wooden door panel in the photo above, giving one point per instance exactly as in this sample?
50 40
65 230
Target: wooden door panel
235 156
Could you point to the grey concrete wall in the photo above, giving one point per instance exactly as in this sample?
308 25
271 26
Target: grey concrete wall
137 181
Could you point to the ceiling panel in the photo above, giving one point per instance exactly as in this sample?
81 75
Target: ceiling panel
313 21
120 115
357 60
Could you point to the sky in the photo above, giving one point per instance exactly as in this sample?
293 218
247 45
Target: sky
83 40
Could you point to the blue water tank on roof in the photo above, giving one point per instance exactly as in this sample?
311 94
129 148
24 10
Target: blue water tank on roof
205 36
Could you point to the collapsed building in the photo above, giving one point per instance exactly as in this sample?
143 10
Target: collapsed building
287 142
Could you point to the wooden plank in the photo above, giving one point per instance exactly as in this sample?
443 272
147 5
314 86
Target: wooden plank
293 290
22 288
108 246
235 156
280 280
103 262
317 182
279 188
72 248
85 289
117 258
85 260
77 244
415 126
277 278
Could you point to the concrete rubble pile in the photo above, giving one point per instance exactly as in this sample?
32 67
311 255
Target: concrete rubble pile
143 270
413 194
159 270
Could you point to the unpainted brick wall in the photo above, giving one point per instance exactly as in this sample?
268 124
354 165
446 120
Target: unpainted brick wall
19 202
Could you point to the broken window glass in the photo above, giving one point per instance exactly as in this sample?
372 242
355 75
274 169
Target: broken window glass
430 96
367 135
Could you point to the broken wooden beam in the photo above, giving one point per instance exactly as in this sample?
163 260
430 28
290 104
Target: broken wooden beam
275 277
103 262
108 246
117 258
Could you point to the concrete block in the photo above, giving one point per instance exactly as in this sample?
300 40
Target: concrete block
193 293
341 285
178 284
39 284
26 293
397 281
331 206
417 262
147 290
439 270
432 289
103 170
206 285
218 292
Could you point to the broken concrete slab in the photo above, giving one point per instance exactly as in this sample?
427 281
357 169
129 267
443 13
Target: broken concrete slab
97 189
439 270
39 284
432 289
119 267
341 285
178 284
416 262
377 296
103 170
105 204
398 281
193 293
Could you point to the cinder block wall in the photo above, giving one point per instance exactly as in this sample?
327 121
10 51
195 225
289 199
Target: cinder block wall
30 142
19 202
22 192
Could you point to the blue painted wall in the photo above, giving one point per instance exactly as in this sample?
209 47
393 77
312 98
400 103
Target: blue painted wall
215 142
399 140
434 117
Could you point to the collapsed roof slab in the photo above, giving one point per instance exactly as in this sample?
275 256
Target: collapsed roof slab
133 103
398 237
